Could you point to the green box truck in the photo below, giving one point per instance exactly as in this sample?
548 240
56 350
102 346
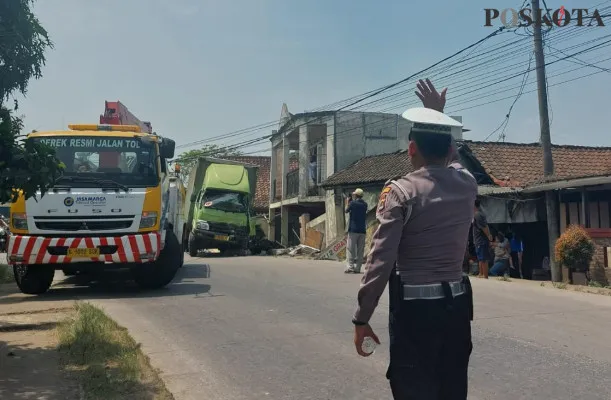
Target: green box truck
220 198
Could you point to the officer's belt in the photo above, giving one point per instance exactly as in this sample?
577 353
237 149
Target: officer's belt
432 292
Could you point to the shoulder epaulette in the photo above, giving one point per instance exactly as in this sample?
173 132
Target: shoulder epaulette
409 201
391 180
462 169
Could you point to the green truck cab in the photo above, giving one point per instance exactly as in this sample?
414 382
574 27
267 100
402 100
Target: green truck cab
220 197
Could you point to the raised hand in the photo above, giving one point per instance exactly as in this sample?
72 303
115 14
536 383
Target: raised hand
430 97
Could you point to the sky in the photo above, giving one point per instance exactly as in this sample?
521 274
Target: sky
201 68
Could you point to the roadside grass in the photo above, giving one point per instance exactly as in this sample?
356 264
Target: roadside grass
6 274
105 360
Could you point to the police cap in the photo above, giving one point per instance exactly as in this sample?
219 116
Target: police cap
430 121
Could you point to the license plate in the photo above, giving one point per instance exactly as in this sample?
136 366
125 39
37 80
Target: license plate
221 237
83 253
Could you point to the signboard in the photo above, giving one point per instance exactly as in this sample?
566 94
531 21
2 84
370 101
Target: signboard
331 252
97 143
88 201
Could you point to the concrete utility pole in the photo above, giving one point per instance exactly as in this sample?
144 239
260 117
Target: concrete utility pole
551 200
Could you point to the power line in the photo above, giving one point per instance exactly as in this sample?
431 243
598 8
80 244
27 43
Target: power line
371 93
374 92
506 120
390 122
249 131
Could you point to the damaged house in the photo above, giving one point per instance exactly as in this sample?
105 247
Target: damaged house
511 187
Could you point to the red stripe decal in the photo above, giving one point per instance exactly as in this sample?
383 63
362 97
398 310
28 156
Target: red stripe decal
148 247
42 250
121 249
17 244
75 244
135 249
54 259
89 244
104 243
27 253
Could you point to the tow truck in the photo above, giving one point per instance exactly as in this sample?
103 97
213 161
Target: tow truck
116 205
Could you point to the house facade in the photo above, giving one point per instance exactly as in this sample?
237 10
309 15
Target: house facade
512 190
321 143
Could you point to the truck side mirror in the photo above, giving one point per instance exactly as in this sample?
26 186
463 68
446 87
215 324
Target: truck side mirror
167 148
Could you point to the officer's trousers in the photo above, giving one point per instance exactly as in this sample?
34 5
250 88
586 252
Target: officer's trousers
430 346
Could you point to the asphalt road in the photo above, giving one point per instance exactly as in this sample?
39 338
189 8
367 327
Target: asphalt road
278 328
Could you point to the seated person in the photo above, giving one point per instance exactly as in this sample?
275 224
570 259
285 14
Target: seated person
502 259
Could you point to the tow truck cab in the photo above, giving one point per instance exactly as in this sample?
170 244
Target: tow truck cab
109 207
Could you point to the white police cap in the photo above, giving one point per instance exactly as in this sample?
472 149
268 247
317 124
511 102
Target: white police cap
431 121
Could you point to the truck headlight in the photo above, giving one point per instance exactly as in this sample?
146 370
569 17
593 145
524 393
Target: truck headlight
20 221
148 219
203 225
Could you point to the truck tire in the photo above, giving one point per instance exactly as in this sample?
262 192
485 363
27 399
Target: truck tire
33 279
159 273
192 247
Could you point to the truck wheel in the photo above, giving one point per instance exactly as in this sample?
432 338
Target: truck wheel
33 279
192 247
159 273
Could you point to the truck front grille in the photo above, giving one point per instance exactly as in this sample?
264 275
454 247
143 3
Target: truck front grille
73 226
221 227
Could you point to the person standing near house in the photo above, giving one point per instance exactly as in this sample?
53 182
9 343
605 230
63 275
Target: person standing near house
357 229
517 248
481 239
418 250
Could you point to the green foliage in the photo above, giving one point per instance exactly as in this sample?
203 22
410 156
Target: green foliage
188 159
23 42
24 165
574 248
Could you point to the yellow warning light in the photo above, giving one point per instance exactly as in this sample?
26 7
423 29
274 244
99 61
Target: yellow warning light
94 127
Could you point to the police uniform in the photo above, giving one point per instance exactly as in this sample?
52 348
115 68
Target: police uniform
418 248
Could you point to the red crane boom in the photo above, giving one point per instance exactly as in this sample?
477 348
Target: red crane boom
115 113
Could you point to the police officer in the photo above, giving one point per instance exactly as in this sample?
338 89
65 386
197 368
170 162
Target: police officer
418 250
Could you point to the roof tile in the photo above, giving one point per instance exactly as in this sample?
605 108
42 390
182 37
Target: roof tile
263 185
372 169
509 164
521 164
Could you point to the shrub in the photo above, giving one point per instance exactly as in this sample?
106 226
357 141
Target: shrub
574 248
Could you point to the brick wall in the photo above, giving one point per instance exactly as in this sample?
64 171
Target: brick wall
599 268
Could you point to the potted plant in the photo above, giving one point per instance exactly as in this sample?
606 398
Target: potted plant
574 250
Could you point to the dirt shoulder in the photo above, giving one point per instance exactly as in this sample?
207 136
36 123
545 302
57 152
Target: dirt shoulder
29 360
594 289
69 350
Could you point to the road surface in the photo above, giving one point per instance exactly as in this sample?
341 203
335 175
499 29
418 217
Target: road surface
278 328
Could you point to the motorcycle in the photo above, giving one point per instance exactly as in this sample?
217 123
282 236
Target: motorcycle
4 233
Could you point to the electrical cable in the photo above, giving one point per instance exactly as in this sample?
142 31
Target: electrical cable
360 99
261 126
343 133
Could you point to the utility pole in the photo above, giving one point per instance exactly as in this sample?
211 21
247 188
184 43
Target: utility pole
551 200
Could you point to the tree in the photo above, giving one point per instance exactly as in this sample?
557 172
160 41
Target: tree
188 159
24 164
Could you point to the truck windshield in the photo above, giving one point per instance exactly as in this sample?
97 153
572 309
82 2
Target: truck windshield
224 201
127 161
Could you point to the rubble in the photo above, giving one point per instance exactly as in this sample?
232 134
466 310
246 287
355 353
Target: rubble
303 250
